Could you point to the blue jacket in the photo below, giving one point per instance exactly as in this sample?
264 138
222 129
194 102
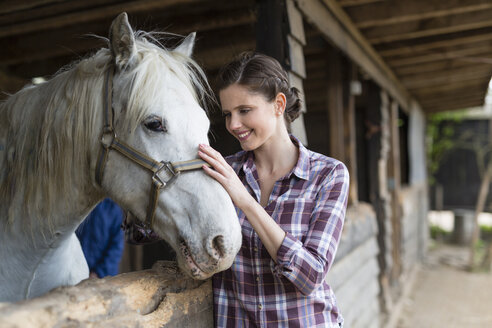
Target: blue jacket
101 238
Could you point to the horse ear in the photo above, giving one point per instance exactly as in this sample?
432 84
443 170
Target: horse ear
186 47
122 41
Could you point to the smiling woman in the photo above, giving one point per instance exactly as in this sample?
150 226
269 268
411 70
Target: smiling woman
291 204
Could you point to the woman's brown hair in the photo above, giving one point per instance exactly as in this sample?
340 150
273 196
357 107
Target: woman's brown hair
264 75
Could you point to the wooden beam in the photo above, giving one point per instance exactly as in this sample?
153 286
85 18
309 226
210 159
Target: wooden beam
335 25
45 9
445 77
81 17
10 6
431 27
448 64
70 40
452 98
351 3
383 10
216 57
23 53
454 106
440 44
437 91
439 13
444 69
465 81
461 54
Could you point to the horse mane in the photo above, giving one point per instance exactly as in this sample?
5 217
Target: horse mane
52 126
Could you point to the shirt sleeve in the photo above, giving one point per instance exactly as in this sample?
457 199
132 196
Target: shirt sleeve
306 264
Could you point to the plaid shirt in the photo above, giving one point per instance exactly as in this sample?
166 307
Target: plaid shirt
309 203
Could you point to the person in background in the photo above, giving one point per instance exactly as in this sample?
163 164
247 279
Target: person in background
290 201
102 239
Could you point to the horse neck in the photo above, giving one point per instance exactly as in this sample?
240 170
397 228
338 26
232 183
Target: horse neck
36 259
34 231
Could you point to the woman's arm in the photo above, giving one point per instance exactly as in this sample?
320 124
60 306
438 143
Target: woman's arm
270 233
306 263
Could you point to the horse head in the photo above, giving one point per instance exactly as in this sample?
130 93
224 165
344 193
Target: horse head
156 112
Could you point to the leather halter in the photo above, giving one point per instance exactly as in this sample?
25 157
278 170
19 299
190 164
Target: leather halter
163 173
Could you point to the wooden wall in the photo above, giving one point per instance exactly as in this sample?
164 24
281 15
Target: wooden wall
354 275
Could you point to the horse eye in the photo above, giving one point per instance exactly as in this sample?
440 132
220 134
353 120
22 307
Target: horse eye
155 124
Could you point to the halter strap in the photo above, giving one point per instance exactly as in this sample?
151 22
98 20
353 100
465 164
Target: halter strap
164 173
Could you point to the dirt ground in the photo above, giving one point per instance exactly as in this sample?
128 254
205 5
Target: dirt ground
445 294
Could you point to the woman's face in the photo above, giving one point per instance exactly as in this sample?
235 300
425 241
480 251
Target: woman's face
249 117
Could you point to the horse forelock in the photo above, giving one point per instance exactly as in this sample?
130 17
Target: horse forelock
145 80
51 127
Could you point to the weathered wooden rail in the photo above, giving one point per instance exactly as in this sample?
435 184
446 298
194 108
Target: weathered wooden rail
159 297
164 297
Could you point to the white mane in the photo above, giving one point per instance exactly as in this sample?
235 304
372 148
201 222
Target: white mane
51 127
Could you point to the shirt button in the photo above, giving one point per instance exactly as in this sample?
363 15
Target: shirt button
255 249
260 306
257 278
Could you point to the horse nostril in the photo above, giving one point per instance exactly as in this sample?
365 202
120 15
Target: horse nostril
218 247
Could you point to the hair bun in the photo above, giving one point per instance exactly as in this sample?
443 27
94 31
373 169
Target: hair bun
294 104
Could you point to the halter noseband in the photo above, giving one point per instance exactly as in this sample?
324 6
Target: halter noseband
163 173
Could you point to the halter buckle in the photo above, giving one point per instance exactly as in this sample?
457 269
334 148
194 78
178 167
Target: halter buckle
160 182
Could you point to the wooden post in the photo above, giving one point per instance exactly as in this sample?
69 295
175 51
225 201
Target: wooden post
482 196
280 34
334 102
271 30
377 135
395 185
350 133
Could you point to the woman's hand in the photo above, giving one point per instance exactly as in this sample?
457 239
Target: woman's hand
225 175
270 233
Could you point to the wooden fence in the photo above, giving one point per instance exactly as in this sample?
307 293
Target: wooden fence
163 297
159 297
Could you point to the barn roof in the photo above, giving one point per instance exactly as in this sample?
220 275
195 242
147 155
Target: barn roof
438 51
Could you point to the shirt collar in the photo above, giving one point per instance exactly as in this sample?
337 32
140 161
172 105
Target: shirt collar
301 169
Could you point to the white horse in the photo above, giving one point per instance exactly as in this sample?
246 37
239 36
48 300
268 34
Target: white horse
51 136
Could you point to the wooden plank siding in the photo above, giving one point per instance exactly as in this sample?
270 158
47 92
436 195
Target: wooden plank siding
352 44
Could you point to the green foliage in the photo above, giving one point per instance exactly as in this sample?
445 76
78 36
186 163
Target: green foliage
438 233
440 139
486 232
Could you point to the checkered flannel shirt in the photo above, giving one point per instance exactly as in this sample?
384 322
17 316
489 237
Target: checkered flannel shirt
309 203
